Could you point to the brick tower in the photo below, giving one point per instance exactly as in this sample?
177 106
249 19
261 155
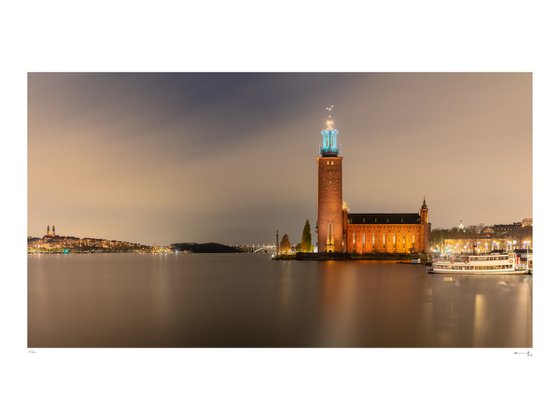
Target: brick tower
426 228
329 217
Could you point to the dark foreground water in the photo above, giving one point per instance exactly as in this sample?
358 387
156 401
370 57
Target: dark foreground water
218 300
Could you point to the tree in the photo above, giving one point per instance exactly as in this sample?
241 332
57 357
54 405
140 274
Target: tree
306 245
285 246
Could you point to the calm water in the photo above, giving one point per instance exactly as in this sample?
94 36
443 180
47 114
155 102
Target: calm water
222 300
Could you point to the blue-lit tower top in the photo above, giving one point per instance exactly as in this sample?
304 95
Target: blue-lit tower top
330 147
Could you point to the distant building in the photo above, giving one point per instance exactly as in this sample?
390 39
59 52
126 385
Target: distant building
528 221
504 229
504 237
53 243
340 231
488 230
50 233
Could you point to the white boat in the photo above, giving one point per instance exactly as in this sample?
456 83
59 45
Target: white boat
479 264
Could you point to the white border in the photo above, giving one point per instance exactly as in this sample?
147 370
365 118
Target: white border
287 36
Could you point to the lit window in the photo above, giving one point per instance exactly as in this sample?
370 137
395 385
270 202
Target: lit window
330 234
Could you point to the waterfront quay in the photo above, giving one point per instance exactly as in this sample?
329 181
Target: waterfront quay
345 256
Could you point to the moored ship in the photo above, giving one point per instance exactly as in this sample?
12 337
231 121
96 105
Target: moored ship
506 263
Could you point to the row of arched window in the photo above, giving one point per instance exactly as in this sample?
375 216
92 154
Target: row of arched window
381 241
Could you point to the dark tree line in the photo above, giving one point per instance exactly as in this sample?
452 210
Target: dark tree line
210 247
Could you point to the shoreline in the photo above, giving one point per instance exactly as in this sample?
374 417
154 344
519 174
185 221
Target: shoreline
343 256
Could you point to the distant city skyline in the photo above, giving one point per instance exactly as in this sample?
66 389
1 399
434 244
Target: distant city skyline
230 157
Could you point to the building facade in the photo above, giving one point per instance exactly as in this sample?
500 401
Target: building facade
361 233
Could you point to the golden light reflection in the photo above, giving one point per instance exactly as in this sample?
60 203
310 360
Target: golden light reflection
479 320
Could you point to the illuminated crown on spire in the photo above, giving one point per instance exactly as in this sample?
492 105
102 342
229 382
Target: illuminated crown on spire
330 147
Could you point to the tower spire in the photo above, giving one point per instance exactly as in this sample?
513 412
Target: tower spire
424 211
330 147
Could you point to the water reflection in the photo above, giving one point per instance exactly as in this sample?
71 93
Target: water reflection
186 300
476 311
369 304
337 297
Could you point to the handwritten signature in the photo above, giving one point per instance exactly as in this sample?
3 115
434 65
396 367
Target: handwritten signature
526 353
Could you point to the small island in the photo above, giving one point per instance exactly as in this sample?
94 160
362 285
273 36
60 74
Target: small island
209 247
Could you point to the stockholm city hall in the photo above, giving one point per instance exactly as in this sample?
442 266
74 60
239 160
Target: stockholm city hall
361 233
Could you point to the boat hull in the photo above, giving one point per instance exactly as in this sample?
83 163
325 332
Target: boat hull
487 264
475 272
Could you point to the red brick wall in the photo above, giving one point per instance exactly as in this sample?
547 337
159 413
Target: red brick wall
399 238
329 202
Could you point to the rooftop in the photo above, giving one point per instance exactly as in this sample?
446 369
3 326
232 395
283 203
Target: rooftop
384 218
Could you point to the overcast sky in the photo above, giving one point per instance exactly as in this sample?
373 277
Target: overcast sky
230 157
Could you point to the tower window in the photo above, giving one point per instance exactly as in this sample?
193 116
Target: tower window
330 234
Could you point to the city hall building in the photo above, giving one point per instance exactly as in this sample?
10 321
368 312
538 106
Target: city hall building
361 233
